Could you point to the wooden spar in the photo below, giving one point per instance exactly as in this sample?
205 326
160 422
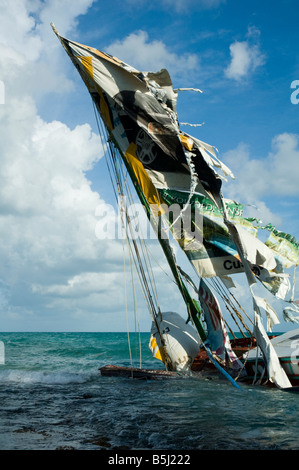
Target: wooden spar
135 373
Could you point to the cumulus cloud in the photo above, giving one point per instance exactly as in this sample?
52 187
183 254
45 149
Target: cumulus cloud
137 50
47 206
48 220
275 175
246 57
17 32
29 51
55 273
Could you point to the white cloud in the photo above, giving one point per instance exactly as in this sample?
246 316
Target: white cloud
145 55
283 163
257 179
179 6
55 274
48 220
17 31
30 53
246 57
64 14
47 206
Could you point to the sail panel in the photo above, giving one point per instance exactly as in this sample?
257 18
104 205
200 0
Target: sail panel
277 282
205 238
275 371
272 318
145 183
145 103
285 247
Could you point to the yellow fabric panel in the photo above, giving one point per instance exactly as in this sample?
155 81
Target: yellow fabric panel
158 354
87 64
105 113
186 141
143 179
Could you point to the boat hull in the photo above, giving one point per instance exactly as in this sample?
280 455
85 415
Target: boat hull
256 369
286 346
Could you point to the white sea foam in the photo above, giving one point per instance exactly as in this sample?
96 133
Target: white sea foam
41 377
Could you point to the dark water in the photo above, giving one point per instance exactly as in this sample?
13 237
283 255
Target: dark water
52 396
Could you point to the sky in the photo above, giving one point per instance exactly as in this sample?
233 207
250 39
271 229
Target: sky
55 273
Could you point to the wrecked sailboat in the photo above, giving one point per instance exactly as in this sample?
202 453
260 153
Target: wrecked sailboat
178 180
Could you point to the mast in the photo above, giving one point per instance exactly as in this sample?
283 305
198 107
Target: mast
192 306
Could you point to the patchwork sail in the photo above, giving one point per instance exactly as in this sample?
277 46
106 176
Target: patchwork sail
178 179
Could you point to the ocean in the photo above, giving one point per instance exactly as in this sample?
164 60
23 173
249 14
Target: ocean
53 397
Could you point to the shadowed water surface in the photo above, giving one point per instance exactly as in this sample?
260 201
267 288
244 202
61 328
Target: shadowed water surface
53 397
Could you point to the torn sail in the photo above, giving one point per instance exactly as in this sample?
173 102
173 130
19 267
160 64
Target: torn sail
170 166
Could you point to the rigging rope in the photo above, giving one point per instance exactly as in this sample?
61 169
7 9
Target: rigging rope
116 173
225 293
114 177
126 303
135 308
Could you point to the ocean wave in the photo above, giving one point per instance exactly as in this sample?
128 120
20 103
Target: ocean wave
61 377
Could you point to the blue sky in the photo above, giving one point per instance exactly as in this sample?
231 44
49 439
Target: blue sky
55 274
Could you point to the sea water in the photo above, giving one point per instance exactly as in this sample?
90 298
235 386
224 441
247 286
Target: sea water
52 396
